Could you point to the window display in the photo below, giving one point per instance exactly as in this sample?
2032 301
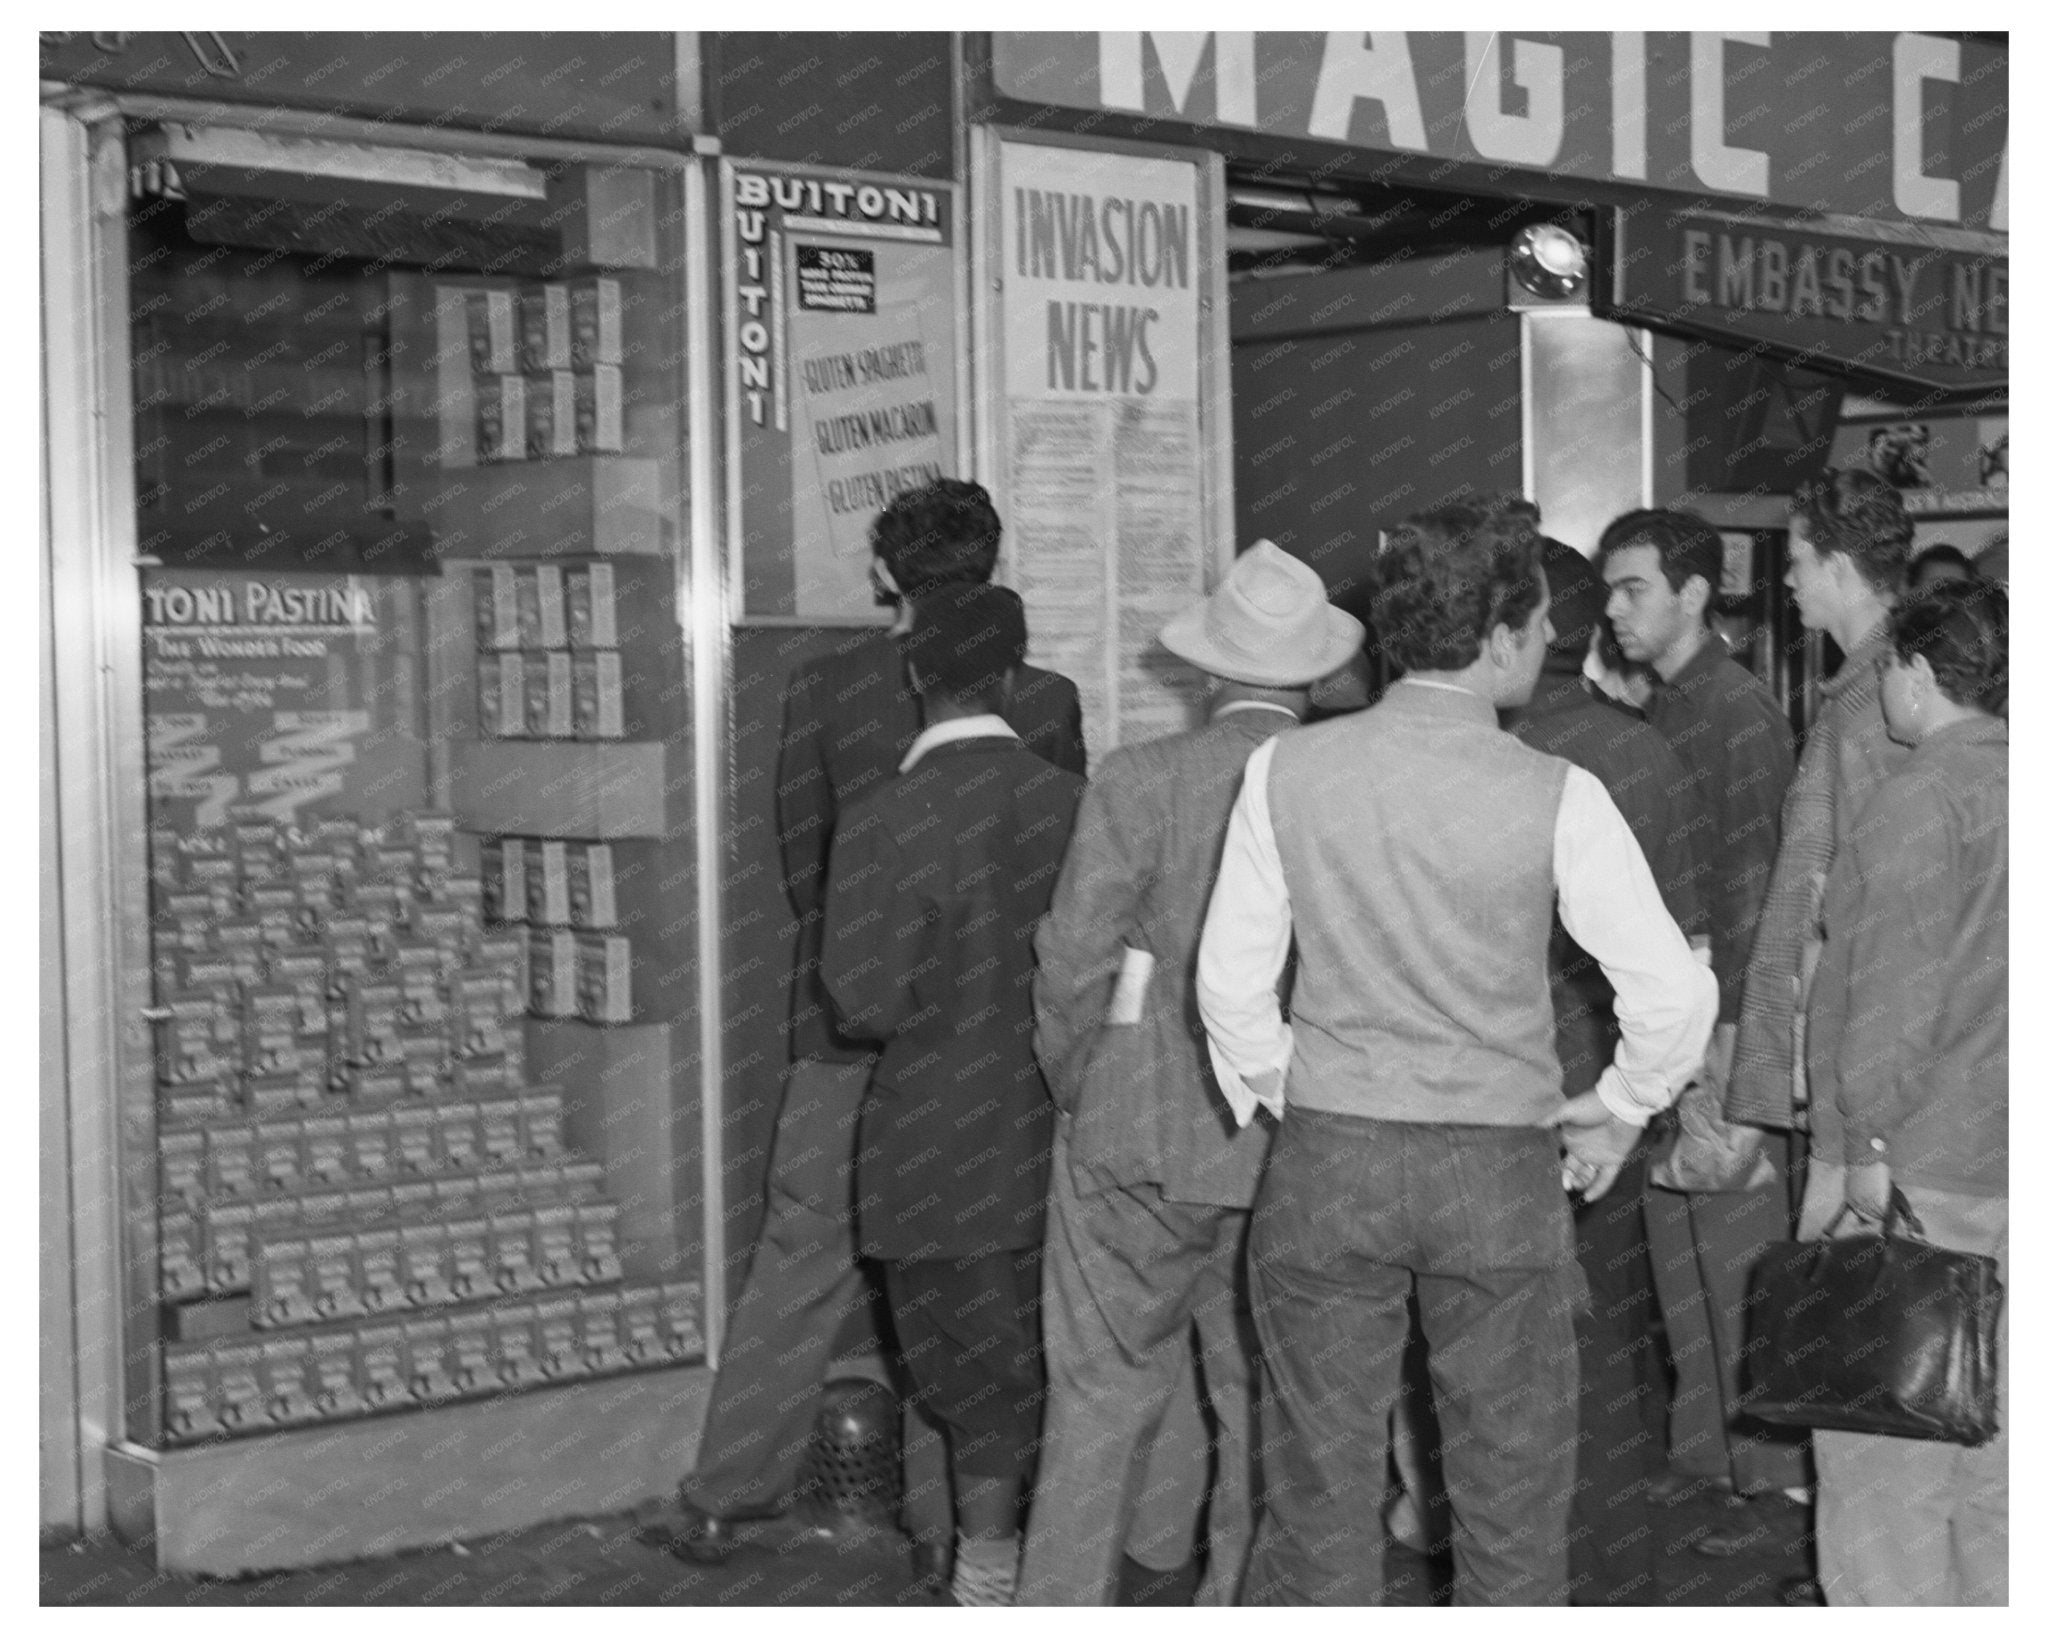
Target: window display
412 695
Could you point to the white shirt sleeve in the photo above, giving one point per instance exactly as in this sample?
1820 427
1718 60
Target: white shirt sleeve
1664 1000
1244 950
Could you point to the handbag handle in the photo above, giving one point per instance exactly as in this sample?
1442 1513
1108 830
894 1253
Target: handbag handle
1898 1212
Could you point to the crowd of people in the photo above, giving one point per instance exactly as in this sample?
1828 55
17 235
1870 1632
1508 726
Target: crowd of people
1216 1120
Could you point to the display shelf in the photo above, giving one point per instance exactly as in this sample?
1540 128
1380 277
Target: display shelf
362 1489
593 790
575 506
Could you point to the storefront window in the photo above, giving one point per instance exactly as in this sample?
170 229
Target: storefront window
409 482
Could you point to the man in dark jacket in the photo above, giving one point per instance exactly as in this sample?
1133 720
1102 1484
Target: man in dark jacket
1612 1558
849 717
938 880
1663 575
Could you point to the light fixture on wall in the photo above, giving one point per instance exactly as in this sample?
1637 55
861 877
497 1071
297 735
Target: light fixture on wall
1548 261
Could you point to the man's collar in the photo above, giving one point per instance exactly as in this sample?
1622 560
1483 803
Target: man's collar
1223 711
1426 696
1705 658
983 725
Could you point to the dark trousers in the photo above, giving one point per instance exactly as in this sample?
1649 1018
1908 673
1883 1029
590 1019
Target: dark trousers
1353 1214
968 1331
1613 1555
1703 1247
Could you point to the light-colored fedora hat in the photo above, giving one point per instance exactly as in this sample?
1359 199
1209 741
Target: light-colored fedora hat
1269 623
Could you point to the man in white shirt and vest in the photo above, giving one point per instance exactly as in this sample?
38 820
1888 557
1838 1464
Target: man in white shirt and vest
1412 855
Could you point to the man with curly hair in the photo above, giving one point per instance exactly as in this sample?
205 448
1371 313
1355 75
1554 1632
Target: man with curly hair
849 718
1412 854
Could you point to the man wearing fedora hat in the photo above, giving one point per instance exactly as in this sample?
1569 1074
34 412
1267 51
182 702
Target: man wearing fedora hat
1152 1180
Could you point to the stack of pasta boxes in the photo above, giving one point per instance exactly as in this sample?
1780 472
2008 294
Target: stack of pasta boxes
566 895
547 363
547 637
364 1206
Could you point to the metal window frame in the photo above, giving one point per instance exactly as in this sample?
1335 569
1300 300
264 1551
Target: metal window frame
102 881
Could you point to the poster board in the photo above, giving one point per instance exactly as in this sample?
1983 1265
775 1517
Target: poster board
1945 464
1103 376
281 697
845 375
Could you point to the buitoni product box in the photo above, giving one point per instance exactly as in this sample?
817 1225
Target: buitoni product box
593 902
551 415
493 348
189 1393
598 1317
516 1344
547 883
600 696
597 324
553 973
559 721
429 1359
544 327
284 1368
238 1384
600 410
552 620
538 720
497 607
604 973
381 1361
559 1336
504 859
501 429
501 695
591 591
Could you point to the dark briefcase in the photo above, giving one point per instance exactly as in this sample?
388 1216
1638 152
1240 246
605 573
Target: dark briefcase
1876 1333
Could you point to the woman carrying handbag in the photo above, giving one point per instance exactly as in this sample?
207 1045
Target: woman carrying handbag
1907 1060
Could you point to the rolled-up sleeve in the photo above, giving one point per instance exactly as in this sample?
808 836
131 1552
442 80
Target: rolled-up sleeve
1245 940
1664 999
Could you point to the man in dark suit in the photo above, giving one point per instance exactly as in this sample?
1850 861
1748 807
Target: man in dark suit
1612 1560
937 880
849 717
1152 1179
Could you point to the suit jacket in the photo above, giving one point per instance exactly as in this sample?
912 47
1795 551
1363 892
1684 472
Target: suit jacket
1146 850
848 717
937 883
1568 718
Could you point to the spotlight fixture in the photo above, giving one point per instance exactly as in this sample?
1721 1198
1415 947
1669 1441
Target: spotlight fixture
1548 261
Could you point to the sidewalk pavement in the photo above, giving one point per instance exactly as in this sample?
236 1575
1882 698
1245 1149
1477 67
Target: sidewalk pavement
618 1561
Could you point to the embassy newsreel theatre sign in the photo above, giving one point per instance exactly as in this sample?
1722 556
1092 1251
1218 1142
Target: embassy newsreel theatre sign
1922 315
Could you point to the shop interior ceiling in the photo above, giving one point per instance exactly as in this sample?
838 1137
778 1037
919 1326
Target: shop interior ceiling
1279 228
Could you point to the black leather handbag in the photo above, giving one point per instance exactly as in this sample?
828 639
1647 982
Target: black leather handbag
1876 1333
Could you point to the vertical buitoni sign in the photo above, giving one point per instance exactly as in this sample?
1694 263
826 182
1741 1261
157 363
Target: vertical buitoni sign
843 375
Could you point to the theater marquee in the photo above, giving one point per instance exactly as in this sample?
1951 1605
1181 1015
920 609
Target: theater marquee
1900 127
